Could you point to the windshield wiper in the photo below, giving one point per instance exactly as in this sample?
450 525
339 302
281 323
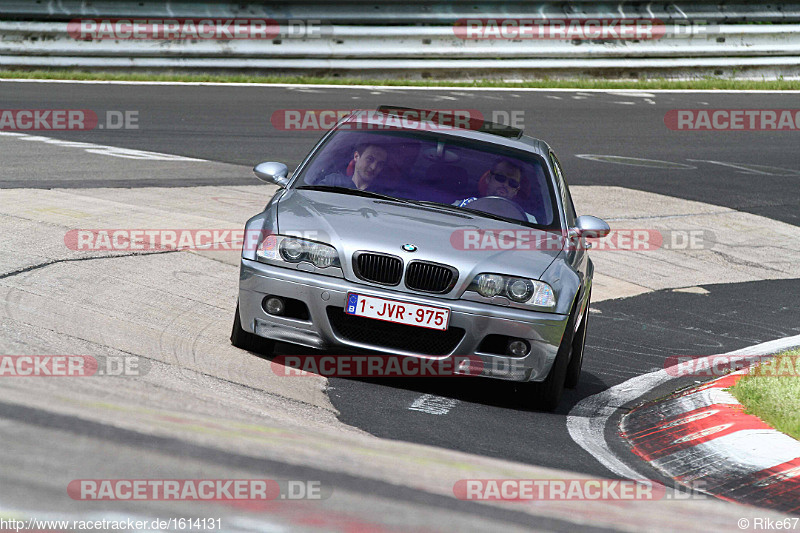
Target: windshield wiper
427 203
463 209
353 192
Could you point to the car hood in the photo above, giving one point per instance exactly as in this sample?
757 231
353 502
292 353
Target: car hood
465 241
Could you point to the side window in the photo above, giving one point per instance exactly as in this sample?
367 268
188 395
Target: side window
566 198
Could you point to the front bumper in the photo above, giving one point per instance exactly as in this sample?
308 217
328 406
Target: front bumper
543 331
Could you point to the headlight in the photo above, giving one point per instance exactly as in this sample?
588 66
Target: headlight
323 256
287 249
490 284
291 250
520 290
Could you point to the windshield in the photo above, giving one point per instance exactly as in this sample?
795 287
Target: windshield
426 167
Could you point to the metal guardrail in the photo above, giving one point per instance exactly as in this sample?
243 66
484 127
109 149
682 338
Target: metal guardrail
382 12
413 38
416 42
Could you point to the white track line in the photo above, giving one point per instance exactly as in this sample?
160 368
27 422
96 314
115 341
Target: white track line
433 405
399 87
587 421
102 149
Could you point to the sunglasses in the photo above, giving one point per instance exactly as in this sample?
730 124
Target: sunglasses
501 178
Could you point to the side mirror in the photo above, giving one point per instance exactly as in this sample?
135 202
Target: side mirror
591 227
272 172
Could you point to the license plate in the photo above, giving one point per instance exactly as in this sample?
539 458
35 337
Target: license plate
424 316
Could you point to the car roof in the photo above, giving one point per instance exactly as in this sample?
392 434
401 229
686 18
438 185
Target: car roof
405 119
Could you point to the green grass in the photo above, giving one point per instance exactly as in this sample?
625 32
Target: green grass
775 399
708 83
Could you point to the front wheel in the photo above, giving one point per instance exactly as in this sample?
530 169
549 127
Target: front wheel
546 395
249 341
578 345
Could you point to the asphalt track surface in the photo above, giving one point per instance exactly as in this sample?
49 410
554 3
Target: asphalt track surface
626 337
233 125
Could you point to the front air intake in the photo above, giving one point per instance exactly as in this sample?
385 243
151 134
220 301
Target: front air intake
430 277
378 268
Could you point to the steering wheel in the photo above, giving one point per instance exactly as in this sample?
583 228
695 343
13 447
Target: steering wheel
497 205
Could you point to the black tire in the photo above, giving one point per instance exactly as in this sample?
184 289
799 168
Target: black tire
578 345
546 395
249 341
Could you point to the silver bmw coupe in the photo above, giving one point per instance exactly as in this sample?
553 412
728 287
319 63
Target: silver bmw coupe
424 235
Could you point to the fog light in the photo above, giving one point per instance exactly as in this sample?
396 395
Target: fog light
517 348
274 306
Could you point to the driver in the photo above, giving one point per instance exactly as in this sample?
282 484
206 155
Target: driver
504 180
367 164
